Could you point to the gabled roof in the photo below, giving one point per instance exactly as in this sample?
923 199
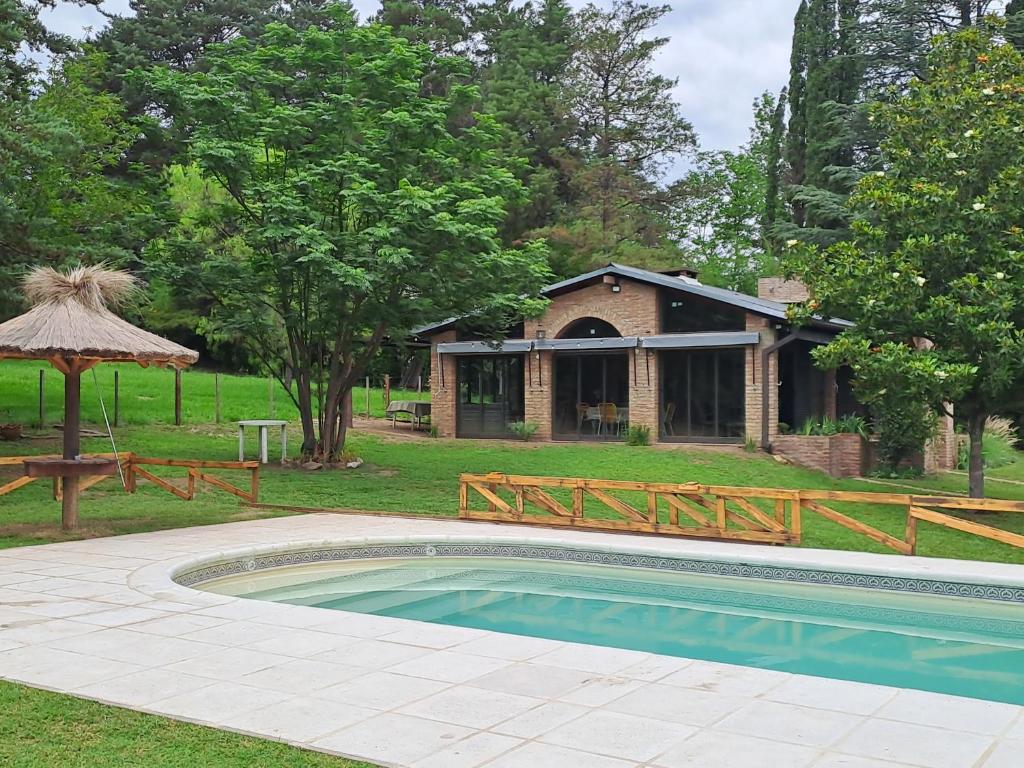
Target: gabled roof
764 307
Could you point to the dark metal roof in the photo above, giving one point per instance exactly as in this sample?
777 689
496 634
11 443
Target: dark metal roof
599 342
701 340
484 347
766 308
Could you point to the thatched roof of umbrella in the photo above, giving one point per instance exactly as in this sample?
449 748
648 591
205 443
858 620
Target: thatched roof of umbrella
70 324
70 319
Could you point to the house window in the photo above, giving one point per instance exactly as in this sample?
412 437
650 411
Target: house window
491 395
702 395
686 313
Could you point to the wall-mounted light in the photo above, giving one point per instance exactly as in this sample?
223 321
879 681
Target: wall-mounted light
541 333
616 287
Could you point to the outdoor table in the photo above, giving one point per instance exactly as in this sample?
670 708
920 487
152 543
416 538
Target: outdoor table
417 409
263 425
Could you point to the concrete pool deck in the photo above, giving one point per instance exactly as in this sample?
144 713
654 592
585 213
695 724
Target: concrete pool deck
102 619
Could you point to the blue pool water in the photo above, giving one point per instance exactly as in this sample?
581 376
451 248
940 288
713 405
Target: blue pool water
949 645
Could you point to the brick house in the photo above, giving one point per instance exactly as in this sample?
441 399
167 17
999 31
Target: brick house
622 346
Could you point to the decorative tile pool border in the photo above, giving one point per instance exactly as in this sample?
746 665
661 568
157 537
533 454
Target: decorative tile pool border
561 553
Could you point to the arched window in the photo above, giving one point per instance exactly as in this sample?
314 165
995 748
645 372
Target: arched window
589 328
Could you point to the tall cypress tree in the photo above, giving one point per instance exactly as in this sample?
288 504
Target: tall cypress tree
773 176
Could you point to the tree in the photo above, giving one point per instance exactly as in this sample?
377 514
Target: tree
176 34
823 89
933 272
624 111
523 53
366 205
57 203
722 206
443 25
628 127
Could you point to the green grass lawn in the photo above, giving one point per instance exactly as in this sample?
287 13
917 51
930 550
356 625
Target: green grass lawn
421 476
39 729
147 395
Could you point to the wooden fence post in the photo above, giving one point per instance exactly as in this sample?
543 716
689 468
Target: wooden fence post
367 397
270 393
177 397
42 397
117 398
387 390
216 398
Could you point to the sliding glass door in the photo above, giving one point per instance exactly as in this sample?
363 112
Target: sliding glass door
591 396
490 395
702 395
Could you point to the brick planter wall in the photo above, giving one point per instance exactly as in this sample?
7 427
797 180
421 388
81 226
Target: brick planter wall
837 455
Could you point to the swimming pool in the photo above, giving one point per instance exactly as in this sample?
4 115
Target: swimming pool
957 645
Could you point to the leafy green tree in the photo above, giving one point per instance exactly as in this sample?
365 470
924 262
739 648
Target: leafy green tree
176 34
932 274
57 203
366 204
722 207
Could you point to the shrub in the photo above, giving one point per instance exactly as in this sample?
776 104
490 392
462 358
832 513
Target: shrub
750 445
999 444
851 424
524 430
638 434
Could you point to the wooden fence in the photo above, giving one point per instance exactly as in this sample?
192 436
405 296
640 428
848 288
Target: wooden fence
133 467
763 515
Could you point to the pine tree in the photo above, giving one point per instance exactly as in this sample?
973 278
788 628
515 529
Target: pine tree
1015 23
522 56
441 25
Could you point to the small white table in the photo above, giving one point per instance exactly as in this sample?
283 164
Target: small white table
263 425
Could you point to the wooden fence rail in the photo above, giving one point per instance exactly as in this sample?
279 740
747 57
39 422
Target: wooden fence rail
763 515
134 467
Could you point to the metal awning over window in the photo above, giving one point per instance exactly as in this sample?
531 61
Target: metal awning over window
701 340
618 342
484 347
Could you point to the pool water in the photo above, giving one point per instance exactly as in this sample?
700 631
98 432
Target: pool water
949 645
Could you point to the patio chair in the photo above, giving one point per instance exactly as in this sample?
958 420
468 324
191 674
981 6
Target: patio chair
581 416
608 415
667 417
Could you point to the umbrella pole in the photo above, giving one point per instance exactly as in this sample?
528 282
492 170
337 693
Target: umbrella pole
72 444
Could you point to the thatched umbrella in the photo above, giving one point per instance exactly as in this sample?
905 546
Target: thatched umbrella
70 324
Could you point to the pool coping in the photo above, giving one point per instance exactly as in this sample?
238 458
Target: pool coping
104 619
878 575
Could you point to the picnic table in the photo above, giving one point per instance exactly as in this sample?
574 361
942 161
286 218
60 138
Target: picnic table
417 410
263 426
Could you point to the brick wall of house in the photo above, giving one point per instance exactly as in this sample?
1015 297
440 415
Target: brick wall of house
755 379
633 310
838 455
781 289
442 395
539 392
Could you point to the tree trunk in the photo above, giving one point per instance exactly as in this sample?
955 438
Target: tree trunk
976 464
304 396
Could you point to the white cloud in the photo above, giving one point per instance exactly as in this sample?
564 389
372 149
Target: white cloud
724 53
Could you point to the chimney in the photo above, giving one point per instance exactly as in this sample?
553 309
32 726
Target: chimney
689 272
782 290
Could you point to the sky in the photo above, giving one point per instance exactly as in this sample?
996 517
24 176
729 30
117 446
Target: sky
724 53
